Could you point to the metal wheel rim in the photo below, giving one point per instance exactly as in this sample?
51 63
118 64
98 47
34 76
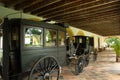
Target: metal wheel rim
45 72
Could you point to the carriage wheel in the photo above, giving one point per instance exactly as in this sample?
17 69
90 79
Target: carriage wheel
79 66
46 68
86 61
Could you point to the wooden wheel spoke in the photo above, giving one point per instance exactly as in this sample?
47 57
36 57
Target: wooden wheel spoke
46 68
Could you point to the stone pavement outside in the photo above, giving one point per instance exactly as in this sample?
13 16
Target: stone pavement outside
105 68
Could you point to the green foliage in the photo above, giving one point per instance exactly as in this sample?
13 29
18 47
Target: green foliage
34 31
110 40
116 46
115 43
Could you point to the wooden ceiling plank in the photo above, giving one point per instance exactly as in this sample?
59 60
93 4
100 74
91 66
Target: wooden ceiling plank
60 4
62 8
74 11
11 3
26 3
91 23
71 8
104 17
101 32
42 4
95 11
98 15
90 15
99 11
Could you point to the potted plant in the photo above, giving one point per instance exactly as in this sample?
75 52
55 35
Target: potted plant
115 44
116 47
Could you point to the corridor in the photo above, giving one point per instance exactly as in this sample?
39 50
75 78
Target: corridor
105 68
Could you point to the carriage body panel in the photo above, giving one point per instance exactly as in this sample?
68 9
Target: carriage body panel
20 54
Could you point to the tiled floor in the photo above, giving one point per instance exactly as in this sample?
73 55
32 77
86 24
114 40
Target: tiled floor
105 68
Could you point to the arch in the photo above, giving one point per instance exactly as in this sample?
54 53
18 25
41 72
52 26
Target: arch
81 33
111 37
70 32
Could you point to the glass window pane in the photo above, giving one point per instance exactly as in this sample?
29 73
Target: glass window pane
33 37
51 37
61 38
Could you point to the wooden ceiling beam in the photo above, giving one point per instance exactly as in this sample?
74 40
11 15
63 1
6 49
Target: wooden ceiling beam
26 4
91 13
101 11
66 6
90 23
102 32
110 34
79 5
12 3
93 17
96 16
78 10
42 4
57 5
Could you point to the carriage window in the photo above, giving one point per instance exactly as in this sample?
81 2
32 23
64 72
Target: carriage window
80 40
51 37
61 38
33 37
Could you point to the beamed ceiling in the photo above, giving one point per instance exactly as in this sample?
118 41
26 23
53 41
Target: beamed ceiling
98 16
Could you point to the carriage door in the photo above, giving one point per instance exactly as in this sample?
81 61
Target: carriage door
11 50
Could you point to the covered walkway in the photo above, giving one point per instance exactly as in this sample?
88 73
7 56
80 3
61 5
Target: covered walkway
105 68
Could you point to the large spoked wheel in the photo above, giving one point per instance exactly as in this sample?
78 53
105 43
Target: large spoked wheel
46 68
79 66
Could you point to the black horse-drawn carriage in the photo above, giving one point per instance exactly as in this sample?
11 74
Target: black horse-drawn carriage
78 51
34 50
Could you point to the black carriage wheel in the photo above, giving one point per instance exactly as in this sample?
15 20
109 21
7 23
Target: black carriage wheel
86 61
46 68
79 66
